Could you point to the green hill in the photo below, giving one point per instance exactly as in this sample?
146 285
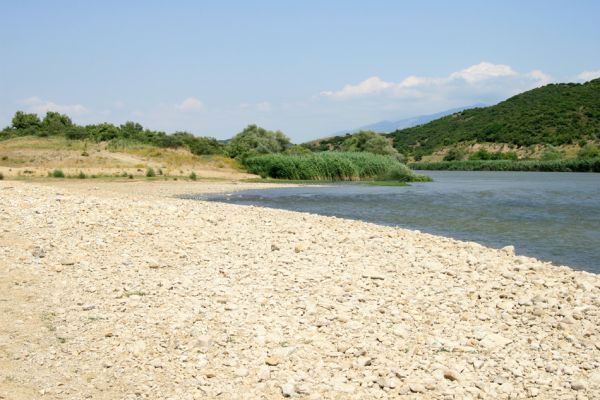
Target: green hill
555 114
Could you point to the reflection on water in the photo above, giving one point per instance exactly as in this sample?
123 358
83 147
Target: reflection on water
551 216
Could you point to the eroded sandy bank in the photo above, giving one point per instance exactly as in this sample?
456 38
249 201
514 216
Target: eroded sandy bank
119 291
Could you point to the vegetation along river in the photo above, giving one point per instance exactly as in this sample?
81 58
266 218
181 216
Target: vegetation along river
550 216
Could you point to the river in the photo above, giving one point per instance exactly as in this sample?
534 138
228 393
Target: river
550 216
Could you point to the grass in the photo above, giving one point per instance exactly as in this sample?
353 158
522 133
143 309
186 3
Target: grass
590 165
330 166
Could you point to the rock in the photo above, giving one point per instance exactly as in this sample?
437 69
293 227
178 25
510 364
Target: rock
451 375
264 373
494 341
506 388
550 368
272 361
138 348
343 387
38 252
578 385
416 388
288 389
362 361
533 391
274 247
204 341
537 311
373 275
241 372
510 250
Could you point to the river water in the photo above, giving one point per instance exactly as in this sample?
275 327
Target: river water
550 216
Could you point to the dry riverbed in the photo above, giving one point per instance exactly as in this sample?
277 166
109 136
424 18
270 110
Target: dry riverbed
118 290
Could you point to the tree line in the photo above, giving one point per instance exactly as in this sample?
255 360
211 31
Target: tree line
251 141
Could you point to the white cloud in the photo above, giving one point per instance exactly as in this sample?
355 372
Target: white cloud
483 71
264 106
368 86
190 104
541 77
40 106
483 78
589 75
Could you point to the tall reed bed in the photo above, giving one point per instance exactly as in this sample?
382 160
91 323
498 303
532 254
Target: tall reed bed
330 166
589 165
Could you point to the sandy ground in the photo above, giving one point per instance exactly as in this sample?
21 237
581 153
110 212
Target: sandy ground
119 291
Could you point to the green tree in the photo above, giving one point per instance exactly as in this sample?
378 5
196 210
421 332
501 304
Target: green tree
26 122
102 132
369 142
131 130
255 140
55 123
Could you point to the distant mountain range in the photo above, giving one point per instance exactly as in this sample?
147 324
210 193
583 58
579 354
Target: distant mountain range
391 126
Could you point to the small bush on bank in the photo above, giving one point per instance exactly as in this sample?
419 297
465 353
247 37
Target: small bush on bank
150 172
193 176
57 173
81 175
1 176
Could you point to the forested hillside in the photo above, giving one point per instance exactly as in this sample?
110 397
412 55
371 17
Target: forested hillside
556 114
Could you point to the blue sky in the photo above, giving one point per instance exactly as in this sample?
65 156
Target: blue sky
308 68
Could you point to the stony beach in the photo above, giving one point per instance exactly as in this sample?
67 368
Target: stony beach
115 290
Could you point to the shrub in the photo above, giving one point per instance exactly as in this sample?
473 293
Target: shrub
57 173
454 155
330 166
193 176
588 151
81 175
254 140
1 176
551 154
150 172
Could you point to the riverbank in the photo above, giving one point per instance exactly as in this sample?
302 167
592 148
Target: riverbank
574 165
117 290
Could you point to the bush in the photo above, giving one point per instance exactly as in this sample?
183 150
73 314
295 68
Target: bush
551 154
57 173
81 175
1 176
454 155
150 172
588 151
329 166
193 176
254 140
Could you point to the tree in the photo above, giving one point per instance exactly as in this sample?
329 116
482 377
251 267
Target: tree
55 123
255 140
370 142
131 130
25 121
102 132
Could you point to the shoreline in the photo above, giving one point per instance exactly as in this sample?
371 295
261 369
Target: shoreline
118 290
